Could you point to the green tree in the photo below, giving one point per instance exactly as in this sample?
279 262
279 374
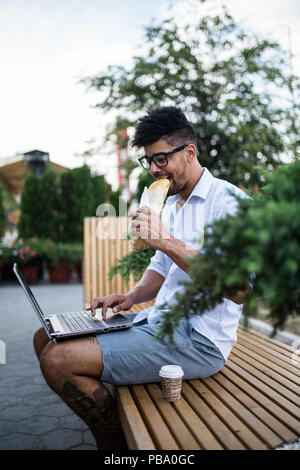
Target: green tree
100 188
38 206
28 225
259 246
46 205
234 87
76 201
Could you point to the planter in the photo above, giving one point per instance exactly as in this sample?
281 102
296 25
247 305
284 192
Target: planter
31 273
59 273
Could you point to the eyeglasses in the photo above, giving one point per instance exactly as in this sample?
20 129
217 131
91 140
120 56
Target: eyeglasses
159 159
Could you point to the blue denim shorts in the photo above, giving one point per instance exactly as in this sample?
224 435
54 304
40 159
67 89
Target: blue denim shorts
131 356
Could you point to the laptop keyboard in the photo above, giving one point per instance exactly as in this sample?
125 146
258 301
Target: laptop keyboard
79 321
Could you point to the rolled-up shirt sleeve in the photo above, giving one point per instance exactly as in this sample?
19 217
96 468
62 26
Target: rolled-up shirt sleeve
160 263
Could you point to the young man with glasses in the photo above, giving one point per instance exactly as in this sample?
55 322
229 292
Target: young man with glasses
76 369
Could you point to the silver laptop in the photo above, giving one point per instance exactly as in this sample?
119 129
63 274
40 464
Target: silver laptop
68 325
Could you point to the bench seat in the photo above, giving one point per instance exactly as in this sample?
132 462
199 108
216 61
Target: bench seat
252 403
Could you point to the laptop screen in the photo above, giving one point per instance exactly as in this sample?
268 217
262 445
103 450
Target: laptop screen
31 297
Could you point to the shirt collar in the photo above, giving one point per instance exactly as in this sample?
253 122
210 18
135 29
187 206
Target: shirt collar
200 190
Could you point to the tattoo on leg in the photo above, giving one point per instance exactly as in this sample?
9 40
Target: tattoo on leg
99 412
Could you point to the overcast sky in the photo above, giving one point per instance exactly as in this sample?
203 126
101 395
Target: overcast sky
47 45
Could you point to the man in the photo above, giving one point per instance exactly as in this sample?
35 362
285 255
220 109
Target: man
76 369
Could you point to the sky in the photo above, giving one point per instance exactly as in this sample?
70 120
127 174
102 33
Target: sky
46 46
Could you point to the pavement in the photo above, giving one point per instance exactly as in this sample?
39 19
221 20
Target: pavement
32 416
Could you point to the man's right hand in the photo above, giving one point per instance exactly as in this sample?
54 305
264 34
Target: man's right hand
115 301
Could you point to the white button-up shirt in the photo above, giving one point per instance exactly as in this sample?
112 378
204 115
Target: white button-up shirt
210 200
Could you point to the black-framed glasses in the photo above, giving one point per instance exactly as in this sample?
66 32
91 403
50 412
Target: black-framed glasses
159 159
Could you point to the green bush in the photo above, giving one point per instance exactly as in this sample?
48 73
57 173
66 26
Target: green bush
39 206
28 225
99 192
55 253
75 202
54 207
133 264
7 255
259 246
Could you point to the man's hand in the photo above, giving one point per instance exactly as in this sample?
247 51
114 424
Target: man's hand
116 301
147 225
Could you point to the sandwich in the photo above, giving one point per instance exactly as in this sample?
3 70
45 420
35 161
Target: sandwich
153 197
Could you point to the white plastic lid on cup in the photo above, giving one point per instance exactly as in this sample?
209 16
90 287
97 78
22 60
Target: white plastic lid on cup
171 371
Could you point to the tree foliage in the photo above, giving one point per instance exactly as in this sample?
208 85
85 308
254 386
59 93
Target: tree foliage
233 86
76 200
133 264
259 246
53 207
28 225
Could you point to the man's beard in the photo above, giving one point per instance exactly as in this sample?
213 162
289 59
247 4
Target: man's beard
178 185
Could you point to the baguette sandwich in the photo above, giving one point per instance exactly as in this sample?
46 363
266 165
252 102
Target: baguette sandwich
155 196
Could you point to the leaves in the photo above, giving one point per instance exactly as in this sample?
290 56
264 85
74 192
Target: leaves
133 264
224 79
260 245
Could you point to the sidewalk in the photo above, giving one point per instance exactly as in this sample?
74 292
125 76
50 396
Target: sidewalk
31 415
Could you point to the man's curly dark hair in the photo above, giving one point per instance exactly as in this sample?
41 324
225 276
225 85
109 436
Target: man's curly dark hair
168 123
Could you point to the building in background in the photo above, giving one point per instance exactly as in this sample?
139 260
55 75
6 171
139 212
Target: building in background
13 170
13 173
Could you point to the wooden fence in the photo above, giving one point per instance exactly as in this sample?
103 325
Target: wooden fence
102 247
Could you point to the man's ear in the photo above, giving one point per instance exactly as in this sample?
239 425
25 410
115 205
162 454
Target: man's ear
191 152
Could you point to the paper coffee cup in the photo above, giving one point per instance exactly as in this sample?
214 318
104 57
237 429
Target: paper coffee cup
171 382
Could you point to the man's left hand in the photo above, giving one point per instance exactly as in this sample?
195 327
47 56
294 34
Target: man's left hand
147 225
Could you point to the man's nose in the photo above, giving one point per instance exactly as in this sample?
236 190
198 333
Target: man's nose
156 171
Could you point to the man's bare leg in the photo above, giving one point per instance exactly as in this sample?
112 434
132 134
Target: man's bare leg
71 369
40 340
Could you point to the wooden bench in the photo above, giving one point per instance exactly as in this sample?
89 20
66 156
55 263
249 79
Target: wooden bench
252 403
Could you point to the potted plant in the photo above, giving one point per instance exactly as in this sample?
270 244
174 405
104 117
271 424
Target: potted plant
56 256
76 256
28 258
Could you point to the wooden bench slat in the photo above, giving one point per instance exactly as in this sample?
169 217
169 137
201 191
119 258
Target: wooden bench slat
263 414
249 439
264 341
272 365
135 431
177 427
226 395
275 356
222 432
197 427
272 401
138 307
272 341
267 371
162 437
281 385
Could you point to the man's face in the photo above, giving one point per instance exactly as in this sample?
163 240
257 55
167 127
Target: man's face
176 170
